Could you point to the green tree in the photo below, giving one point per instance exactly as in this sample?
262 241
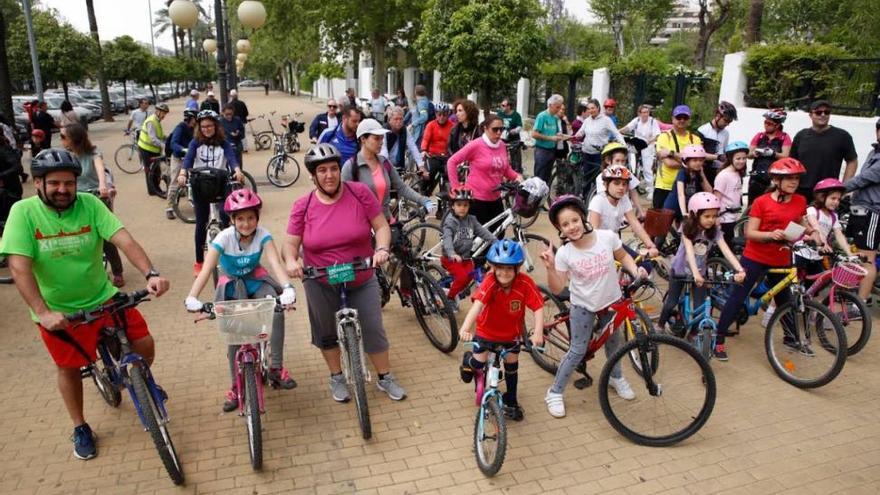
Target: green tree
485 45
638 20
8 13
124 60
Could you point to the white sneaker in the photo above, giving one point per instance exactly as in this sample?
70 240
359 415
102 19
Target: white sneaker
555 404
765 320
621 386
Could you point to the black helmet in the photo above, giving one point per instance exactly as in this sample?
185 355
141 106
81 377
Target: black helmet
321 153
727 110
54 159
564 201
190 113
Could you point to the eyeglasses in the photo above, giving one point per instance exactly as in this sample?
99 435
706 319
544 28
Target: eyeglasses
821 112
496 129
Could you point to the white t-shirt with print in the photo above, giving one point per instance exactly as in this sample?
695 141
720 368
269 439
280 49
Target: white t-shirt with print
612 216
591 272
827 223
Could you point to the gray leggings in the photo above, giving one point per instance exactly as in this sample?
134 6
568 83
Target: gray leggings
276 341
582 322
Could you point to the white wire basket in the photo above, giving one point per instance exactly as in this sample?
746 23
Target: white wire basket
246 321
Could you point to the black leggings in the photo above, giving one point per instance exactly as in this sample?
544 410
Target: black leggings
754 273
203 214
436 169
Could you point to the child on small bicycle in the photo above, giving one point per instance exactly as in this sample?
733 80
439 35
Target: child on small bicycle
699 235
617 155
459 233
609 209
690 180
586 263
237 251
499 310
728 187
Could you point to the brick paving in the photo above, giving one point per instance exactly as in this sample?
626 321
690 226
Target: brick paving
763 437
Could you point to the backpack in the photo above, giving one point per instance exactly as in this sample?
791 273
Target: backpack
354 174
168 146
432 112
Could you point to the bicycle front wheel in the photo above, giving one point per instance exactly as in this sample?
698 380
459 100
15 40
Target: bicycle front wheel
355 367
282 170
672 402
808 349
183 206
490 438
556 332
249 181
127 159
252 417
150 415
103 379
263 140
640 324
434 312
854 316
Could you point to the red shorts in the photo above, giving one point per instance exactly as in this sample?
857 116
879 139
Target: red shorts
67 356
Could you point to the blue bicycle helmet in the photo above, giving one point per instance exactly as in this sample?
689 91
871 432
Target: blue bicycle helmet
736 146
505 252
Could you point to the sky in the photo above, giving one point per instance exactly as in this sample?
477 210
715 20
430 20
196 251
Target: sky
132 17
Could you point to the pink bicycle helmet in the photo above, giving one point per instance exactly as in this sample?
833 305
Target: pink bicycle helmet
693 151
828 185
242 199
703 201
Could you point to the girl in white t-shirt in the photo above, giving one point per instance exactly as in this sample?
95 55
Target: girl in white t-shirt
607 211
586 264
616 154
728 187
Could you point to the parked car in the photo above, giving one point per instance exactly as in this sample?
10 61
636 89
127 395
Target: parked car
250 83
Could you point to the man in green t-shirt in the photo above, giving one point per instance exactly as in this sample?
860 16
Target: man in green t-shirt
548 137
512 126
54 243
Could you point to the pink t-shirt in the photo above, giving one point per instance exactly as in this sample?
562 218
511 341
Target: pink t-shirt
729 183
379 181
336 233
488 167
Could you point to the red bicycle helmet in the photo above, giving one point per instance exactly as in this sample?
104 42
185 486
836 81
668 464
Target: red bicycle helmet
616 172
242 199
787 166
610 102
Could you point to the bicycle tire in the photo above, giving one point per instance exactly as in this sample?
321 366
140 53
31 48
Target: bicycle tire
858 331
273 167
677 354
429 301
183 206
104 382
249 181
252 417
263 140
556 340
642 321
424 239
159 433
786 366
128 159
161 169
704 342
490 464
359 383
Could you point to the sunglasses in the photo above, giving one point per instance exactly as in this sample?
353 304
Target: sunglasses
606 108
682 117
505 105
821 112
496 129
332 106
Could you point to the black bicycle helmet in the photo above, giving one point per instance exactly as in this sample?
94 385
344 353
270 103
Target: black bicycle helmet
566 200
727 110
208 114
321 153
54 159
189 113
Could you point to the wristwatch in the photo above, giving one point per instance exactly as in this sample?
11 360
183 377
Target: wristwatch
152 273
288 285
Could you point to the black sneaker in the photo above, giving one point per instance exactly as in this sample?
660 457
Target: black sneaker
514 412
169 214
84 446
467 373
720 353
280 378
801 348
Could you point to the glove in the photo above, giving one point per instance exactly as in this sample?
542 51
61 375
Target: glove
193 305
288 296
768 152
430 206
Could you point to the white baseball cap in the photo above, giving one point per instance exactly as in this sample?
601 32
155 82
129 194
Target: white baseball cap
371 126
194 93
210 93
232 92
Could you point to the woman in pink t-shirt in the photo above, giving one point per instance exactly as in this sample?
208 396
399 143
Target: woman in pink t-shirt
489 166
334 224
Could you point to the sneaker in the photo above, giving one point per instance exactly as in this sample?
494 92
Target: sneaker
84 446
466 372
169 214
514 412
765 320
555 404
197 269
390 386
720 353
869 301
280 378
621 386
802 348
338 388
118 281
231 401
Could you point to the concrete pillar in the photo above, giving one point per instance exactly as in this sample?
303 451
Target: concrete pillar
601 83
391 79
365 80
733 79
409 82
474 97
523 91
436 92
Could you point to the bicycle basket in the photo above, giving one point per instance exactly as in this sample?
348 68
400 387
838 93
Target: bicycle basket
848 275
209 184
526 204
245 321
658 221
298 127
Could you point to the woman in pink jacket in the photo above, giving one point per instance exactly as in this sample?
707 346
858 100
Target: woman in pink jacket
488 167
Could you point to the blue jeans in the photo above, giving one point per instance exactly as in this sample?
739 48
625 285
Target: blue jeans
583 322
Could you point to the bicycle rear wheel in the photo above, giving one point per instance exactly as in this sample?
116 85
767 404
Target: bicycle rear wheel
358 381
425 241
490 438
128 159
434 312
252 417
808 349
282 170
263 140
155 424
556 332
854 316
683 398
183 206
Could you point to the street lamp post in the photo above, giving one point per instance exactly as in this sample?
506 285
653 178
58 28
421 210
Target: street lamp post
38 78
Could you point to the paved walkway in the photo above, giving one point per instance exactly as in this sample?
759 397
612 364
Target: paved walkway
764 436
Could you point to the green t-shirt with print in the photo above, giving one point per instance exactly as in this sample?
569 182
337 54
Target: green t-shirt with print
66 250
547 125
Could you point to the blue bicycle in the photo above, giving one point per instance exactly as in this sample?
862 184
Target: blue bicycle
118 367
695 323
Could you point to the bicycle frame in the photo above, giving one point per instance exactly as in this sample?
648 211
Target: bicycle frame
248 353
696 317
791 277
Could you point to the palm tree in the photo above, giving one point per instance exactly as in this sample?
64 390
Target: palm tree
102 81
163 23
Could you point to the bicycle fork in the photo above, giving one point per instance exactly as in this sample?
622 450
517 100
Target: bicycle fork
349 316
244 355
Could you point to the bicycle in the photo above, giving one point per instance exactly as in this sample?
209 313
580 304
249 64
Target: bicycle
183 205
127 157
117 367
635 146
792 328
695 324
248 324
293 129
569 177
262 139
348 331
283 169
680 391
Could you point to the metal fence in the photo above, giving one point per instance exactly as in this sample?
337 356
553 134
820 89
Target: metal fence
571 87
664 93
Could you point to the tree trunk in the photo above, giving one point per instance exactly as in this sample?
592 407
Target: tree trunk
380 69
294 66
102 82
753 22
708 26
64 86
125 95
5 80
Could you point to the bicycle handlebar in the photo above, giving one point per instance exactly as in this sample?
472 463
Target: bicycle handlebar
313 272
120 301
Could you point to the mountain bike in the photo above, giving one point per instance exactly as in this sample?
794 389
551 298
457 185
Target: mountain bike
696 324
569 177
635 145
127 157
348 331
678 392
283 169
118 367
248 324
183 205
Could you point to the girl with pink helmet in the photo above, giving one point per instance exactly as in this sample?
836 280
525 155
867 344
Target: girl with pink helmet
690 180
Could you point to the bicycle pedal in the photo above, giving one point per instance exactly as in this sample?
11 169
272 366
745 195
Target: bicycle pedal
585 382
85 371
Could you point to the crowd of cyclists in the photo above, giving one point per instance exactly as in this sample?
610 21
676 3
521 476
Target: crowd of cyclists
362 167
